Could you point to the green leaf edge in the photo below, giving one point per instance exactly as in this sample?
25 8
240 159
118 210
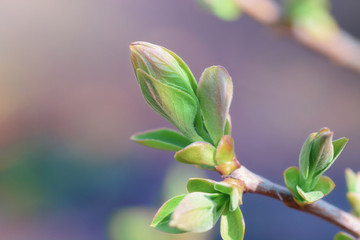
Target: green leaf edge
238 225
201 185
339 146
164 220
148 139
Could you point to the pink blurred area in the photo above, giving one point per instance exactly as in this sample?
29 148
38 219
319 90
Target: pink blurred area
69 102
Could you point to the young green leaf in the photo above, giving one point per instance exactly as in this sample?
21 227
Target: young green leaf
354 201
164 139
324 185
227 129
343 236
198 212
201 185
163 215
215 94
235 199
339 146
198 153
305 156
225 159
310 197
232 225
291 178
351 180
225 150
177 106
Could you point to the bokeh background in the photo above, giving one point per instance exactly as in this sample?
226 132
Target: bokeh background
69 102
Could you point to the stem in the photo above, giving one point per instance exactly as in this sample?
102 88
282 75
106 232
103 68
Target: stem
341 47
256 184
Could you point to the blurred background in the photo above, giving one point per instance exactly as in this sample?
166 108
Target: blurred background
69 102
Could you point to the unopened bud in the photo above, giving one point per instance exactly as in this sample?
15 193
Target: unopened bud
168 85
163 65
322 151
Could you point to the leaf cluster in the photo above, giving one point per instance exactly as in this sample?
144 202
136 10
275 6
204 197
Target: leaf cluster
200 209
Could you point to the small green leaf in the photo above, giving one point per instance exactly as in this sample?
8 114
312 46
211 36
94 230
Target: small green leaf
162 217
201 185
232 225
310 197
177 106
339 146
235 199
215 94
198 212
198 153
227 129
324 185
343 236
291 178
305 156
354 200
225 150
351 180
225 159
164 139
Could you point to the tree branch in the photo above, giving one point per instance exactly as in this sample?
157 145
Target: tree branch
339 46
256 184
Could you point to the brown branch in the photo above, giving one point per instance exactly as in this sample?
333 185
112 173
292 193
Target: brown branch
256 184
338 46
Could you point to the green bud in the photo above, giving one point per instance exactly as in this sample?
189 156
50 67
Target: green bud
168 86
318 153
198 212
163 65
322 151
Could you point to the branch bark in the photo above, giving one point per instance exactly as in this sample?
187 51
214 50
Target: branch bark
256 184
340 46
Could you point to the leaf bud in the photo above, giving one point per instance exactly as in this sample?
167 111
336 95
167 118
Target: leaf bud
168 86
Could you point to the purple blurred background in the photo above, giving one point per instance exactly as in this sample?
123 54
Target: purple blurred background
69 102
